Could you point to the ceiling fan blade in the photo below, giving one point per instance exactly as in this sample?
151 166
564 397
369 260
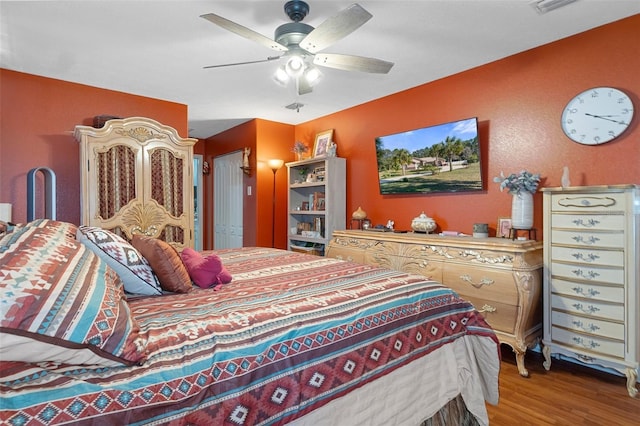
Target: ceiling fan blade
244 32
270 58
303 86
335 28
352 63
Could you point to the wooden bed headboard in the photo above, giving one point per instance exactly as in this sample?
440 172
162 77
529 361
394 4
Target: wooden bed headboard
136 177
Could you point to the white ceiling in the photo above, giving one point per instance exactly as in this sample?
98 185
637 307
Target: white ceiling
158 48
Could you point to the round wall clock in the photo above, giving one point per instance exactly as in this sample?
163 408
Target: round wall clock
597 115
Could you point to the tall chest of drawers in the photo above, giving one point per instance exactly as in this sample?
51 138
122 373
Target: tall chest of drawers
591 277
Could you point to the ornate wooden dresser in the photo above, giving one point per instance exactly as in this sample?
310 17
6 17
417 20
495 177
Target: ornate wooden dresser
501 277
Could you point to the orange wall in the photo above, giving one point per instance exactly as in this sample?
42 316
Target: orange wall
36 130
518 101
267 139
274 140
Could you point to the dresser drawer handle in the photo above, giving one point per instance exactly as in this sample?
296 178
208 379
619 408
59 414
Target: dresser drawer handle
487 308
589 293
587 310
589 275
585 343
483 281
591 327
591 257
585 358
588 224
591 240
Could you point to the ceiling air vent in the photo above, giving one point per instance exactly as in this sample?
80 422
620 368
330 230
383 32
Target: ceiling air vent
544 6
295 105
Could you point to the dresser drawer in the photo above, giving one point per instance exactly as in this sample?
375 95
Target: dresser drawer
609 201
603 310
481 283
592 344
345 253
614 294
611 330
588 255
500 316
611 275
429 268
587 222
588 239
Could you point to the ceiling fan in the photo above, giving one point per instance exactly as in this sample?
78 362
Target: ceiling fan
301 44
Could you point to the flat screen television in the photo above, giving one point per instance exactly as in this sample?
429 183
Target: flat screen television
440 158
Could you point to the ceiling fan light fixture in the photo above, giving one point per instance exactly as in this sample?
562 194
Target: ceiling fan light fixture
295 66
280 76
312 75
302 43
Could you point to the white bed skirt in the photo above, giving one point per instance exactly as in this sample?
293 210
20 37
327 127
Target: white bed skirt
415 392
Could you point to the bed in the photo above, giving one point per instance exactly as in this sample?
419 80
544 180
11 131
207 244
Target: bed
291 339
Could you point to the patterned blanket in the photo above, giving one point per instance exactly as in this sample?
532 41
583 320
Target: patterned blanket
288 334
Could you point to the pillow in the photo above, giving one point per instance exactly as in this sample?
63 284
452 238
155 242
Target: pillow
165 262
62 303
54 227
134 270
205 271
5 228
63 230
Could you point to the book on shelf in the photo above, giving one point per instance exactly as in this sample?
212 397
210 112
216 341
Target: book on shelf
318 225
311 229
303 226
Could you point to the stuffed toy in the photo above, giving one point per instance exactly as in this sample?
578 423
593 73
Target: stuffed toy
205 271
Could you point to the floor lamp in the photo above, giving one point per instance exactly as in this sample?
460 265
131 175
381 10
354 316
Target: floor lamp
274 164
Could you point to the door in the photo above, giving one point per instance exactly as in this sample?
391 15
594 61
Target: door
228 200
197 201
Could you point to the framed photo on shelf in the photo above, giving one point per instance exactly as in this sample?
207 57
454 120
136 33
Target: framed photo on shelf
322 143
504 225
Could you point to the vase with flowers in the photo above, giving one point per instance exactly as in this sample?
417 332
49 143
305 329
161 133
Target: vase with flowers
521 186
300 149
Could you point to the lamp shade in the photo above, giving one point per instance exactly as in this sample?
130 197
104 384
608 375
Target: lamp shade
312 75
275 163
281 77
295 66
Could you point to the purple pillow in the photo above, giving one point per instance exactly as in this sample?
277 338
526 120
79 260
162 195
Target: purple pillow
204 271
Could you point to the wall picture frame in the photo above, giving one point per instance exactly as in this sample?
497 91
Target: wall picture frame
503 228
321 143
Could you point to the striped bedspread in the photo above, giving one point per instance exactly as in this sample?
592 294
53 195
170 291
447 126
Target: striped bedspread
288 334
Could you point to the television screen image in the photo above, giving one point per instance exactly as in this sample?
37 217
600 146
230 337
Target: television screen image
440 158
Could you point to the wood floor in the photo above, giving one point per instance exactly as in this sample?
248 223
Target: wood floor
565 395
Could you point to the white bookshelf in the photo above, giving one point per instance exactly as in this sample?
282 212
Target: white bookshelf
316 206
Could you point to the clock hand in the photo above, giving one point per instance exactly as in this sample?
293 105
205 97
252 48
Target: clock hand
605 118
